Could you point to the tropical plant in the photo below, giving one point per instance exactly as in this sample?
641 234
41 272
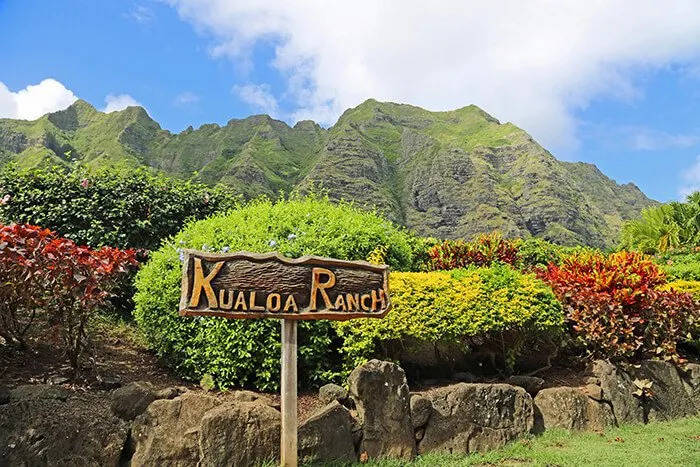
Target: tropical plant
247 352
48 279
615 308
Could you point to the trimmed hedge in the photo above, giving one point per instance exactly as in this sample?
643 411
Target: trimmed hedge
247 352
453 306
125 208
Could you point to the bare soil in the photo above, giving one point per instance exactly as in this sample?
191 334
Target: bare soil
117 357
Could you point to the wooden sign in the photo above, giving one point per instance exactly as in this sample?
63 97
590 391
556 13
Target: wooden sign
250 285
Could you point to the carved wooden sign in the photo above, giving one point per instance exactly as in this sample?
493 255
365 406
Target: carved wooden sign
250 285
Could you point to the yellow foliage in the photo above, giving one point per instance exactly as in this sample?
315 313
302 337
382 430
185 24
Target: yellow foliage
691 287
452 305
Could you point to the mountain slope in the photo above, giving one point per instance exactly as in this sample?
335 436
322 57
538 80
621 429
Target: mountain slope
445 174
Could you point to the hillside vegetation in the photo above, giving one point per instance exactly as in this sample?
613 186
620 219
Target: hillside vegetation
444 174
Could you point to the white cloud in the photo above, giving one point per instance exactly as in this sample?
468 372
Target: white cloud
119 102
531 62
691 177
35 100
143 15
648 139
259 96
186 98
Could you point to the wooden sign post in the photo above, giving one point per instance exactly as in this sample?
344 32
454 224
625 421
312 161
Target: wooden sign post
250 285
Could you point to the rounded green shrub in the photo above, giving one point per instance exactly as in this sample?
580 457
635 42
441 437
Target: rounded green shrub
247 352
457 307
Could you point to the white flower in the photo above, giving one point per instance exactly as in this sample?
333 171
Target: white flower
272 243
291 237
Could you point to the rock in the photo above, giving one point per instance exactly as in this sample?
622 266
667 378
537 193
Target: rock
332 392
691 377
420 434
669 399
43 426
617 390
244 396
130 401
593 380
167 433
4 394
476 417
420 410
30 392
570 409
531 384
239 433
327 436
58 380
171 393
464 377
593 391
380 392
109 382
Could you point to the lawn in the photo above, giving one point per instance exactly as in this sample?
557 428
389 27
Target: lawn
674 443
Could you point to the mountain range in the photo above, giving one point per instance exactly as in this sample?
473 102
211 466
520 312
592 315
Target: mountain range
443 174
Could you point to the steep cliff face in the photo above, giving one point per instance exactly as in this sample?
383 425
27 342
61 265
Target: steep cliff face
445 174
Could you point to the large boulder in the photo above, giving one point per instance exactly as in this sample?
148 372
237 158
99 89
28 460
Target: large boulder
476 418
570 409
327 436
167 433
618 388
47 425
420 410
669 399
130 401
239 434
692 383
380 392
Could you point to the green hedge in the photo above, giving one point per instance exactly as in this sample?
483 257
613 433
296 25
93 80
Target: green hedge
680 265
453 306
246 352
126 208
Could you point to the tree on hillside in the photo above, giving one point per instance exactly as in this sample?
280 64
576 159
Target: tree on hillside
665 227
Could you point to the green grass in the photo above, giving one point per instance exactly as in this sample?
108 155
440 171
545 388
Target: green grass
674 443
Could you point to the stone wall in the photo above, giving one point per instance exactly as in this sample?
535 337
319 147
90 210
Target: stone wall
378 417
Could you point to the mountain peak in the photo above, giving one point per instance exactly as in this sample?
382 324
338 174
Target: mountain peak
79 113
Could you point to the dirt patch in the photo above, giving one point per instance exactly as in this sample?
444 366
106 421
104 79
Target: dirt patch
116 358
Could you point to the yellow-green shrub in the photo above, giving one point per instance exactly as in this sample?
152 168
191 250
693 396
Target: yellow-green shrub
453 306
691 287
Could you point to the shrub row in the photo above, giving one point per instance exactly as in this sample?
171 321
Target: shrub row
122 208
52 285
613 305
495 305
487 249
247 352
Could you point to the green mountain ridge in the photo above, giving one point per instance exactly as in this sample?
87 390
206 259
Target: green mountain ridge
445 174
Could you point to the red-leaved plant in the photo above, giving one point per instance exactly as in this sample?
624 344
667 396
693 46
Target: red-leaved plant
483 251
46 276
614 309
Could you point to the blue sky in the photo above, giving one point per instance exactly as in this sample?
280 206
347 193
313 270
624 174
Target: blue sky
592 81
